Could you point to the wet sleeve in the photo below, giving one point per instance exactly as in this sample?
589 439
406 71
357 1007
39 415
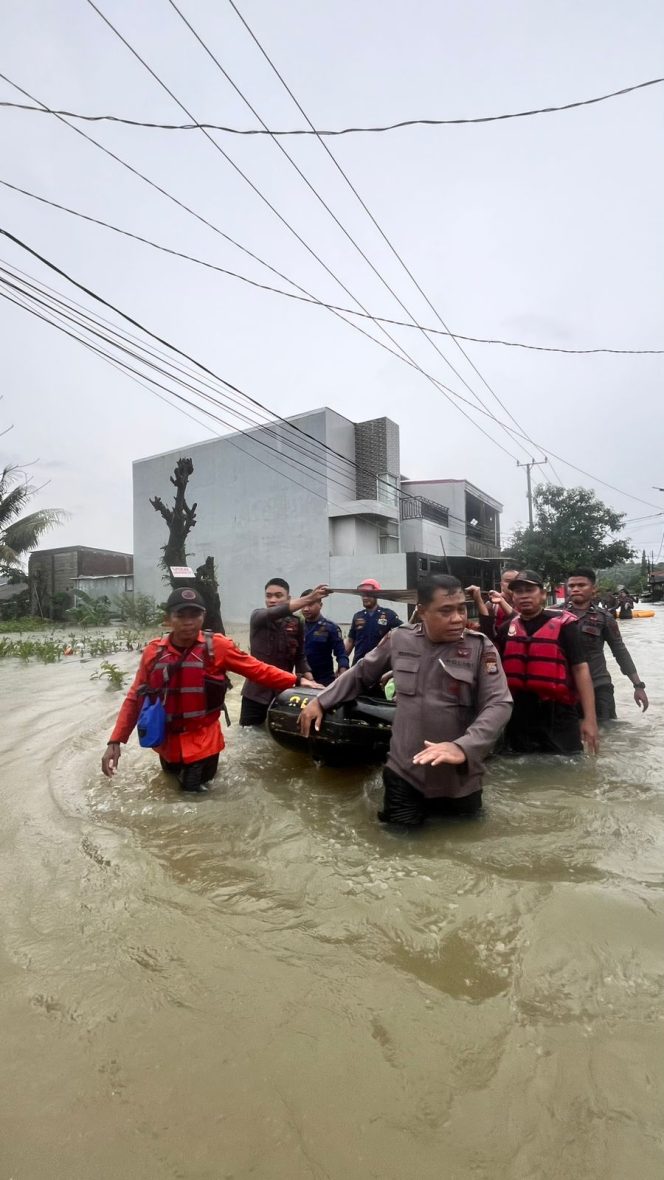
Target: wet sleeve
488 627
617 644
365 673
338 647
301 662
571 642
131 706
230 658
494 708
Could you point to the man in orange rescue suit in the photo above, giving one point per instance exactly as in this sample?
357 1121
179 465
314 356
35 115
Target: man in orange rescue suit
452 703
548 674
188 669
276 636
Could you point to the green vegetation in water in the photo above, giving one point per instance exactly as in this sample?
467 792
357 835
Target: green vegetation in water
139 611
110 672
89 611
29 623
47 651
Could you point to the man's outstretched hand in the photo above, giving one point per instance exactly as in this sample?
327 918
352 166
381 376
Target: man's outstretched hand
436 753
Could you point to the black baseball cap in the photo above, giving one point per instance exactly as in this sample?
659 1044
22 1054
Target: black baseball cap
182 598
527 578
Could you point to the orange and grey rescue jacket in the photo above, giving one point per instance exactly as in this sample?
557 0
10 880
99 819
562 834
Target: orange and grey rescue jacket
537 663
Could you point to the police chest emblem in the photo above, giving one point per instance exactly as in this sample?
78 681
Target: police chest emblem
382 620
463 651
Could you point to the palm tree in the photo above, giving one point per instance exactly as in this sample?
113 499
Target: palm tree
19 534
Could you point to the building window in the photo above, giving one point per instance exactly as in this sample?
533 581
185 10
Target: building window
387 489
388 538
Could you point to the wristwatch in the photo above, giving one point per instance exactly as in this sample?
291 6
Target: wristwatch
639 684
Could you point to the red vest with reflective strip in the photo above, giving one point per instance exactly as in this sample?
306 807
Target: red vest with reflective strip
182 684
537 663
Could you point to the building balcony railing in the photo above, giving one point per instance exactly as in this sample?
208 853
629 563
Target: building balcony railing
483 550
419 508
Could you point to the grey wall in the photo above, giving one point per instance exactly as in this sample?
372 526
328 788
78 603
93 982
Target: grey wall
255 520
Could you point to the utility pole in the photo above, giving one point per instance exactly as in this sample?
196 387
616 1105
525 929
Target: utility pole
528 467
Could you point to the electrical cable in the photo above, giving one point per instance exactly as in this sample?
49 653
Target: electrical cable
124 315
371 217
321 199
63 309
318 302
153 386
84 315
153 184
568 106
284 221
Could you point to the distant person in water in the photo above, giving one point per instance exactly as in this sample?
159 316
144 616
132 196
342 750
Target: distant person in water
186 672
625 604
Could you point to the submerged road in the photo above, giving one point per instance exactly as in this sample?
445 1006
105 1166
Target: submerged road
265 983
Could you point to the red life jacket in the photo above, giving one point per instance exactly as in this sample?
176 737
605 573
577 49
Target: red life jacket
192 697
537 663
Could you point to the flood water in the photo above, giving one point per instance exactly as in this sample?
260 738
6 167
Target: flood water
265 983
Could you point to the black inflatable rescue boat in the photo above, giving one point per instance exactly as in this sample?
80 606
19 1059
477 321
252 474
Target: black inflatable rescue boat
358 731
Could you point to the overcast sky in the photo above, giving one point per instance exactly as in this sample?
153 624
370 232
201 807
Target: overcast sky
546 230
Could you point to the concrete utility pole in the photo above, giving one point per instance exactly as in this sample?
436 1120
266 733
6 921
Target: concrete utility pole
528 467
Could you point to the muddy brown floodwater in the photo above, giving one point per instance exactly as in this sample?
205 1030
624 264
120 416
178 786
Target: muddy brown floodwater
265 983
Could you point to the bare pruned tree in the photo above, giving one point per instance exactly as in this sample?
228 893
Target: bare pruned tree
181 519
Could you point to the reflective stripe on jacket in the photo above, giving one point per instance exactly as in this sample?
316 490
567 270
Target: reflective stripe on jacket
537 663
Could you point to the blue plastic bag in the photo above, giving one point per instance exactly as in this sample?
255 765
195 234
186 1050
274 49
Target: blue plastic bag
151 724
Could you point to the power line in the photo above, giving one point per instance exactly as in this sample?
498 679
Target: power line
568 106
319 302
49 300
221 233
199 364
318 196
374 222
43 309
284 221
401 355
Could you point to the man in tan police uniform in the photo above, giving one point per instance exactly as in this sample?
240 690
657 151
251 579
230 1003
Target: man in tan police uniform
452 704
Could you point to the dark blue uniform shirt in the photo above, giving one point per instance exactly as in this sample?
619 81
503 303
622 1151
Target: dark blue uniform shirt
322 640
369 627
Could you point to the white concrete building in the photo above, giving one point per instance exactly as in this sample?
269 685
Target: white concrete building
315 499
